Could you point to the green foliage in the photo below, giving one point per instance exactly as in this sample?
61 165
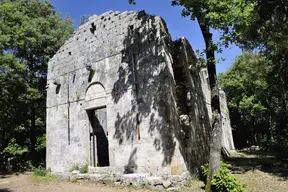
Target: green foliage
83 169
77 95
223 180
279 144
268 33
229 17
246 87
42 175
14 148
74 167
41 142
257 92
31 33
40 172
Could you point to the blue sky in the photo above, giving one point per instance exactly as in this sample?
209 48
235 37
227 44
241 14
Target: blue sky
177 25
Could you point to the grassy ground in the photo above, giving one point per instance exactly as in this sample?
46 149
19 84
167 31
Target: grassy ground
260 171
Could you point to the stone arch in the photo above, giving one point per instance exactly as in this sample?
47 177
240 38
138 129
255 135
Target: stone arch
95 96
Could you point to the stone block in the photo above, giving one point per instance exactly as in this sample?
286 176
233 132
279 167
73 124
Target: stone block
63 176
75 172
167 183
173 189
154 180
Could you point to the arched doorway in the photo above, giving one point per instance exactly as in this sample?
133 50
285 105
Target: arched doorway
96 109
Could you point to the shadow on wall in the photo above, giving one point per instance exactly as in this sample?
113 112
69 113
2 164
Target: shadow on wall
192 106
144 69
131 166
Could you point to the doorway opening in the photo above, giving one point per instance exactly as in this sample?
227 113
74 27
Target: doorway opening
99 146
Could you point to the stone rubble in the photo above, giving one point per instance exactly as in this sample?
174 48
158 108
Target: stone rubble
137 180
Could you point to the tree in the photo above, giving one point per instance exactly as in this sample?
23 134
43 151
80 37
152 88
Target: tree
267 28
31 33
227 17
247 89
257 98
84 19
267 32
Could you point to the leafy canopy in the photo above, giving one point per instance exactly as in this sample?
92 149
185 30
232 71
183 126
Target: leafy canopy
31 32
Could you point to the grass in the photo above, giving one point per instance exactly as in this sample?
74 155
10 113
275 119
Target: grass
42 175
47 178
260 171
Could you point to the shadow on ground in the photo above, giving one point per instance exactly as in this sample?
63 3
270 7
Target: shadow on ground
5 190
245 161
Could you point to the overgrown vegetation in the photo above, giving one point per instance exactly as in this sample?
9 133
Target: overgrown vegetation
42 175
41 172
223 180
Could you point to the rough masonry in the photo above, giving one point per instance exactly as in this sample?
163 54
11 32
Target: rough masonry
122 95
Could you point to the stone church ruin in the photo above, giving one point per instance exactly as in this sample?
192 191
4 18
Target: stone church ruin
122 95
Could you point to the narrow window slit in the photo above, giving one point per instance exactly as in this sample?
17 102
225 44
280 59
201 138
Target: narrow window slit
74 78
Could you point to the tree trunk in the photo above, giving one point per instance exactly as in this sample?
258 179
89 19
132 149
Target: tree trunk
33 130
216 132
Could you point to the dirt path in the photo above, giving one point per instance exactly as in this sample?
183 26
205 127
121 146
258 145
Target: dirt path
256 180
24 182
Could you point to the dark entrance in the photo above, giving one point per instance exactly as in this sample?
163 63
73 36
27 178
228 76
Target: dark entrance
99 146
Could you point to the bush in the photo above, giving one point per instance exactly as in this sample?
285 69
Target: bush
40 172
223 180
83 169
280 146
74 167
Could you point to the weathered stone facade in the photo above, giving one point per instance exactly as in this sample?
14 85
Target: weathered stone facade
121 94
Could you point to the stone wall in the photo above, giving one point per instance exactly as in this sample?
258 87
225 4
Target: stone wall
127 64
227 140
192 107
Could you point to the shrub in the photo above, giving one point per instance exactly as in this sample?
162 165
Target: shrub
83 169
223 180
74 167
280 146
40 172
277 145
